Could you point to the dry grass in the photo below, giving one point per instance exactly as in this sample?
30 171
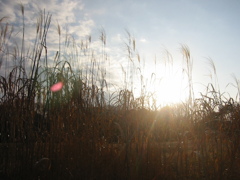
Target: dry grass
81 134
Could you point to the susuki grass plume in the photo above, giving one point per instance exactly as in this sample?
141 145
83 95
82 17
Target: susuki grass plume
88 130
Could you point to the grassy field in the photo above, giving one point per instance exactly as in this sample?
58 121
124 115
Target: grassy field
86 131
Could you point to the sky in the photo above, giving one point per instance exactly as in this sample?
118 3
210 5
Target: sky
209 28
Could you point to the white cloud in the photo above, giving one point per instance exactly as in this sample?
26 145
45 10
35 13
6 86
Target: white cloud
69 14
82 29
65 13
7 9
117 38
143 40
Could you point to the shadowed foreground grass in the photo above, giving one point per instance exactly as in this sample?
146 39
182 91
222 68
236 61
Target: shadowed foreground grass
137 144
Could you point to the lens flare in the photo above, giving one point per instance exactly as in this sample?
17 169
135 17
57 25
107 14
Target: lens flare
56 87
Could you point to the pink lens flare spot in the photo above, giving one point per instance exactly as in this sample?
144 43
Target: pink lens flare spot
56 87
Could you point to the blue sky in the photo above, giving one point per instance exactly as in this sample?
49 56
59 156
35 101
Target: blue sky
209 28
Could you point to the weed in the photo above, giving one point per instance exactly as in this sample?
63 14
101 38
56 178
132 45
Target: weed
70 119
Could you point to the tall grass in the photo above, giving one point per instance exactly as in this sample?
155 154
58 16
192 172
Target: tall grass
88 131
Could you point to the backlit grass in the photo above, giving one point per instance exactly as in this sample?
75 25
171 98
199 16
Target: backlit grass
92 128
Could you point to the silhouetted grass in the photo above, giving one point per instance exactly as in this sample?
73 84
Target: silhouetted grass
86 131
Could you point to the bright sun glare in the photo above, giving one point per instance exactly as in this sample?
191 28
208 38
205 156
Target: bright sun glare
171 89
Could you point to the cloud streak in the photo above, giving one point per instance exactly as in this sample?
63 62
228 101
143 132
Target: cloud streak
65 16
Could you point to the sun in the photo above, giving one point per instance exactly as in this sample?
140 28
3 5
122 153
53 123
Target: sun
171 89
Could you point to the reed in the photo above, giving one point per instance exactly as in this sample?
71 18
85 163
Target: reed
87 130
